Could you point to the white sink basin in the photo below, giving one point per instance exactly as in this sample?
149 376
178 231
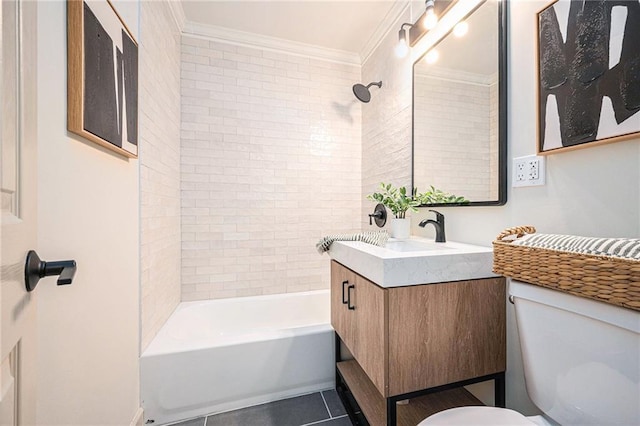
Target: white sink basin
414 261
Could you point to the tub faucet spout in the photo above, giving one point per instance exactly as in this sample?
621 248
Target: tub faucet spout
438 224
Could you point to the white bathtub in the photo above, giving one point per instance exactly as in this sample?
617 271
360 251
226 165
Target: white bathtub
220 355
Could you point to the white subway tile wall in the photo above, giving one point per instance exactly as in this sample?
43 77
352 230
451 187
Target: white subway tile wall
386 121
270 163
159 166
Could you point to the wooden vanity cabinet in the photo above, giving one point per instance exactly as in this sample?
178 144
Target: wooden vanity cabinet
406 340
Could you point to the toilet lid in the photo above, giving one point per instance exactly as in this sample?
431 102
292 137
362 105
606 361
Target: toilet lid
490 416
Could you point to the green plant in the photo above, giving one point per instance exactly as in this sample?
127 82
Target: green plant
395 199
437 196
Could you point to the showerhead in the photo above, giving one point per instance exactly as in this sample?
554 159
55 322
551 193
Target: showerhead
362 92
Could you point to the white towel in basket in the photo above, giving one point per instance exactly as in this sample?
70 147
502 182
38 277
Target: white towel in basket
625 248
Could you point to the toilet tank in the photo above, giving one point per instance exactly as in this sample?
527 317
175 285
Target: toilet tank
581 357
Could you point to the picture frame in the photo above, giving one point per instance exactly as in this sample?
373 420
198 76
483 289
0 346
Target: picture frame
588 75
102 76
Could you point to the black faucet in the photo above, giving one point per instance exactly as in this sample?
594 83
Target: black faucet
438 224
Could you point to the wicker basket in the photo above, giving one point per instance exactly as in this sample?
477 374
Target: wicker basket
607 279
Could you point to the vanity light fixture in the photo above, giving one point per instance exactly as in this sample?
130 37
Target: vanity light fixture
403 46
410 34
430 17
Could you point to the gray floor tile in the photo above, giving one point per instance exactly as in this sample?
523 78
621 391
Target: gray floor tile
288 412
193 422
333 402
342 421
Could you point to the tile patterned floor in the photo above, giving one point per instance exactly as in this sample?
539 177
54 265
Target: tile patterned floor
316 409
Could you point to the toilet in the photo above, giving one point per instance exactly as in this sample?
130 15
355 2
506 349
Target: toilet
581 363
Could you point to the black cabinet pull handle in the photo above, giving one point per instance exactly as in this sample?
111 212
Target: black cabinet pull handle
349 305
35 268
344 299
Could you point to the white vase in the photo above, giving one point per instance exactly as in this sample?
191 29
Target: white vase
400 228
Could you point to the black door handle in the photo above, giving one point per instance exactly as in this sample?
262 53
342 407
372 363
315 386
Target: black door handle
35 268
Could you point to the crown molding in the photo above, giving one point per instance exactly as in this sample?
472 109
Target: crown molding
450 74
242 38
388 23
178 13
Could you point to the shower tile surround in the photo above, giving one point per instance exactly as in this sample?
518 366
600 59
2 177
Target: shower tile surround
270 163
159 166
386 121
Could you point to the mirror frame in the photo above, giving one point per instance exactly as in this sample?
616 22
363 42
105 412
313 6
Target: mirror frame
502 111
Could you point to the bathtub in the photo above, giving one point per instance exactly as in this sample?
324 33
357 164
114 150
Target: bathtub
221 355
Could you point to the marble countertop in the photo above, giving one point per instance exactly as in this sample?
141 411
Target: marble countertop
423 262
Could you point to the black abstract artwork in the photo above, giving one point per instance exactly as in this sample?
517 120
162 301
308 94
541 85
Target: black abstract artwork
589 72
110 79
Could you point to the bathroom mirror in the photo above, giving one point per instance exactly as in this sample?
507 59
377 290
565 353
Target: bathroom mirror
459 112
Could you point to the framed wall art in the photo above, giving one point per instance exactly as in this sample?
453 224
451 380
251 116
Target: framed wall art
102 76
588 73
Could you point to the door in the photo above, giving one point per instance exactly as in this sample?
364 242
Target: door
18 316
359 316
342 318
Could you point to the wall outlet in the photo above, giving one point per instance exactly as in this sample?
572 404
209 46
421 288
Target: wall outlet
534 169
521 171
528 171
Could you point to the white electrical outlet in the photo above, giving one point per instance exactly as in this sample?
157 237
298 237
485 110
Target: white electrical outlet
528 171
533 166
521 173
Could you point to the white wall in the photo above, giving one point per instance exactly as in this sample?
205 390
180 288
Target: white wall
593 191
270 164
88 211
160 42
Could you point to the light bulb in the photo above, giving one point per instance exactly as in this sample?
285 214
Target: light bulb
432 57
402 49
461 29
430 18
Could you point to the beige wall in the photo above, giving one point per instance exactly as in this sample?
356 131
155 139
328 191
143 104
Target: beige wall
159 166
592 191
270 164
88 211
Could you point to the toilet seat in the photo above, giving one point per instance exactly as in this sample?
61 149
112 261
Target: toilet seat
489 416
